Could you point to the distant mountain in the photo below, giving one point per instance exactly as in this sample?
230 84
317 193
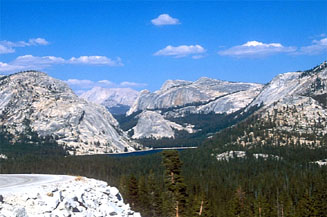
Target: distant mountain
34 104
180 105
117 100
293 111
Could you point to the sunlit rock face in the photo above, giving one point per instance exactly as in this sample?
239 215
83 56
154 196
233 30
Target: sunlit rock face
178 98
180 93
34 101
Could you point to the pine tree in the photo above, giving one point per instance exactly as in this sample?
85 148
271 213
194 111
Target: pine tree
143 195
154 195
200 207
305 207
174 182
320 203
133 191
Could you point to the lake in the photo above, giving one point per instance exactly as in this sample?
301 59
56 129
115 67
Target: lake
152 151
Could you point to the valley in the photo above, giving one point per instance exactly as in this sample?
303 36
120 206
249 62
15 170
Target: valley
259 154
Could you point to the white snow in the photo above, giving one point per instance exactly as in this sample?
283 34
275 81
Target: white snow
2 156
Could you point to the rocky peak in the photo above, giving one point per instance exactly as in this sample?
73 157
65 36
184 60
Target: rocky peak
47 106
173 83
111 97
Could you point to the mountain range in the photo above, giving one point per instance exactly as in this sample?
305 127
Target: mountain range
292 102
116 100
34 106
290 109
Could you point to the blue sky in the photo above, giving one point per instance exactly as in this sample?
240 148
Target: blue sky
140 44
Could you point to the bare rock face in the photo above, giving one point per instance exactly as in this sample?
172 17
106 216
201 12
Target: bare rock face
308 83
152 124
293 111
180 98
184 93
34 101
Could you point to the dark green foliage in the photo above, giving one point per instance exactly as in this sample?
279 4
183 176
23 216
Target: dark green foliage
118 109
127 122
276 188
322 99
206 124
174 182
28 143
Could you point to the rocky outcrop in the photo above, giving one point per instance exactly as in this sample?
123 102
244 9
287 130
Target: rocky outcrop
293 111
152 124
78 196
178 99
308 83
228 155
184 93
33 101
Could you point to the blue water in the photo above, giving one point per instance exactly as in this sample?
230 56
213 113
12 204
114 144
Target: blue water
141 153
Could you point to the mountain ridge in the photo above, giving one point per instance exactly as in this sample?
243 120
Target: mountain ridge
32 101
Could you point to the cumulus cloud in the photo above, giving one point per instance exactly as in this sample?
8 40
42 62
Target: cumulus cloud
28 62
164 19
132 84
106 82
5 49
256 49
5 67
82 84
96 60
317 47
8 46
181 51
88 84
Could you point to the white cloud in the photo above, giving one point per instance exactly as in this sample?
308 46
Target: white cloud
38 41
132 84
8 46
165 19
5 49
317 47
28 62
106 82
5 67
256 49
81 85
96 60
196 57
180 51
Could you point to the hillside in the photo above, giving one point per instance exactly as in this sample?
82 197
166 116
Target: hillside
35 107
293 113
185 109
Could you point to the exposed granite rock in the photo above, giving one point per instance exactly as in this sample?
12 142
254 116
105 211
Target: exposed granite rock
33 100
152 124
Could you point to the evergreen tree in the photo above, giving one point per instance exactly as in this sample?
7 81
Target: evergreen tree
305 207
133 191
174 182
143 195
